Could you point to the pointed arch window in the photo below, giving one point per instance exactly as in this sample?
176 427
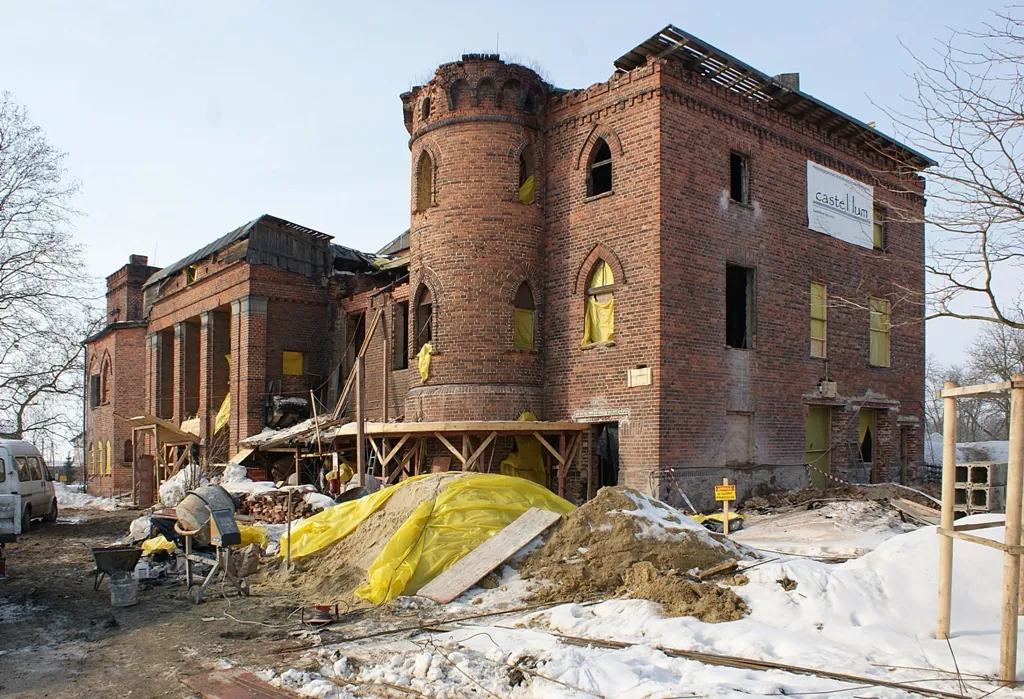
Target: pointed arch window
424 318
105 382
599 320
599 171
524 314
425 182
527 188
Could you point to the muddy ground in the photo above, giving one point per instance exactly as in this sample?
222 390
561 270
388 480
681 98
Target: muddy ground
59 638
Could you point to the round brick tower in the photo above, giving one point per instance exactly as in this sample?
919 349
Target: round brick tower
476 240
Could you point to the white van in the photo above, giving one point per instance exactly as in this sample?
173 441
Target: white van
26 488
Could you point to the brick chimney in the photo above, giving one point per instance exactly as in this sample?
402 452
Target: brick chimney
788 80
124 289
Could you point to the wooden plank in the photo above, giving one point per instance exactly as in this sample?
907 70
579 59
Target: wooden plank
488 556
451 447
715 570
480 427
554 452
1012 550
980 525
480 450
391 454
441 464
915 511
234 683
373 445
352 374
979 389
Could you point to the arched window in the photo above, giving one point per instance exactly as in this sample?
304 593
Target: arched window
107 462
599 321
425 109
523 316
129 451
425 182
599 171
527 188
424 317
105 382
92 459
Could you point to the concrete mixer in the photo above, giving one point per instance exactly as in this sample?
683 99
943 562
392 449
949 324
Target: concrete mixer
206 516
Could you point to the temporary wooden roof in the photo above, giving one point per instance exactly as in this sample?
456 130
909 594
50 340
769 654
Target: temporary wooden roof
169 432
513 427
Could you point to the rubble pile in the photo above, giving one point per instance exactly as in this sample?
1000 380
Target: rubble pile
624 542
271 507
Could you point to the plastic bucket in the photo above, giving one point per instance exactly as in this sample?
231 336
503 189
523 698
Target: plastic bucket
124 592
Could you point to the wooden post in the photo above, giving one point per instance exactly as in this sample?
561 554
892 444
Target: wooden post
725 510
360 422
298 466
316 423
1012 561
948 495
387 371
288 533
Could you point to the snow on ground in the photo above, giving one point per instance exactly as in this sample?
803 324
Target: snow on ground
72 498
837 529
997 451
862 617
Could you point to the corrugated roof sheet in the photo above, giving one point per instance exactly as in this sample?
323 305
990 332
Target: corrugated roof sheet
733 74
201 254
397 245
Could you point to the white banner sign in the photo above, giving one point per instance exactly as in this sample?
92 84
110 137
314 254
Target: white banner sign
839 206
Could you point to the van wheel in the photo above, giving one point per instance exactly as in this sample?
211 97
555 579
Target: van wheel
26 519
52 517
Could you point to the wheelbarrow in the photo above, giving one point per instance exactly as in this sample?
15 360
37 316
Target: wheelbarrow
115 561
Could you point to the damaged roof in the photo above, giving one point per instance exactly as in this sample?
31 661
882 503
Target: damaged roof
344 258
733 74
397 245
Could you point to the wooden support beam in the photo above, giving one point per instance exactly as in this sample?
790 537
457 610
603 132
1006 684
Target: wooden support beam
554 452
451 447
471 461
373 445
979 390
391 454
1005 548
360 422
948 494
979 525
350 381
563 471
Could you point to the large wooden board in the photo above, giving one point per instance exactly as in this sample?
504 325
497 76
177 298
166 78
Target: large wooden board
235 683
488 556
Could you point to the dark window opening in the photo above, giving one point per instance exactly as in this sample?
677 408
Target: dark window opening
426 108
527 186
400 360
739 306
599 173
94 390
425 182
105 383
129 451
739 179
424 319
606 449
524 317
867 447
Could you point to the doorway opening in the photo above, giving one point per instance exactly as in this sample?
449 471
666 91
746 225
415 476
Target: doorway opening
606 451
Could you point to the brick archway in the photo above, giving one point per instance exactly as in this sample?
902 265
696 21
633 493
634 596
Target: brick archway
599 132
599 252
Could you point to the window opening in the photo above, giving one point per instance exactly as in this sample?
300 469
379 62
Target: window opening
129 451
607 450
425 111
739 179
424 318
355 330
866 435
105 383
401 336
191 272
878 312
879 229
599 172
599 321
819 319
425 182
527 188
523 318
739 306
94 390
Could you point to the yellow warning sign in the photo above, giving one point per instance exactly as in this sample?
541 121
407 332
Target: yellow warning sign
725 493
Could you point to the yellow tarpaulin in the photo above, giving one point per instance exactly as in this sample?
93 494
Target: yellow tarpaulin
223 415
253 534
291 363
522 330
157 543
599 324
527 192
527 461
423 361
468 511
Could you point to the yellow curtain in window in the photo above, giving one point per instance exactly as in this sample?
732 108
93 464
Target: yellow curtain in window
601 276
92 459
526 192
865 420
522 330
108 458
423 361
879 330
819 318
599 323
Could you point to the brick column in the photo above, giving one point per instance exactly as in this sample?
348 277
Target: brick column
152 373
207 410
248 367
180 368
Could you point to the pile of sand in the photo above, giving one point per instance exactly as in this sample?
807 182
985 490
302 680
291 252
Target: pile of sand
625 542
332 574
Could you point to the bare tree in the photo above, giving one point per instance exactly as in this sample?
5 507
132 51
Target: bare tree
966 111
44 289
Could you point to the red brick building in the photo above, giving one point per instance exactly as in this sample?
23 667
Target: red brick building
707 265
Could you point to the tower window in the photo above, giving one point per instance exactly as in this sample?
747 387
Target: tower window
599 172
523 317
739 178
425 182
425 109
424 318
739 306
527 190
400 359
94 390
599 321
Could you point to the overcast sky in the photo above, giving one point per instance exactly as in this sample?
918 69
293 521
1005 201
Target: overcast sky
183 120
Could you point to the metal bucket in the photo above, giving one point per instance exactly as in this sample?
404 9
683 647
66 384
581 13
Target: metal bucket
194 510
124 592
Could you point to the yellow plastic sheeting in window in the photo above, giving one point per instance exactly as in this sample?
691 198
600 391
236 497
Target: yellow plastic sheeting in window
527 461
526 191
522 328
865 421
819 319
223 415
601 276
466 512
879 329
423 361
335 523
292 362
108 457
599 323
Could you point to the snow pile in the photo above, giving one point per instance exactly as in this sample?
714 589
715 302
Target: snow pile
174 489
72 498
873 617
140 529
997 451
235 479
836 529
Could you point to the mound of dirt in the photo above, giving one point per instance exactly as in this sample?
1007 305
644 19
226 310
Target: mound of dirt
333 573
808 496
624 541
